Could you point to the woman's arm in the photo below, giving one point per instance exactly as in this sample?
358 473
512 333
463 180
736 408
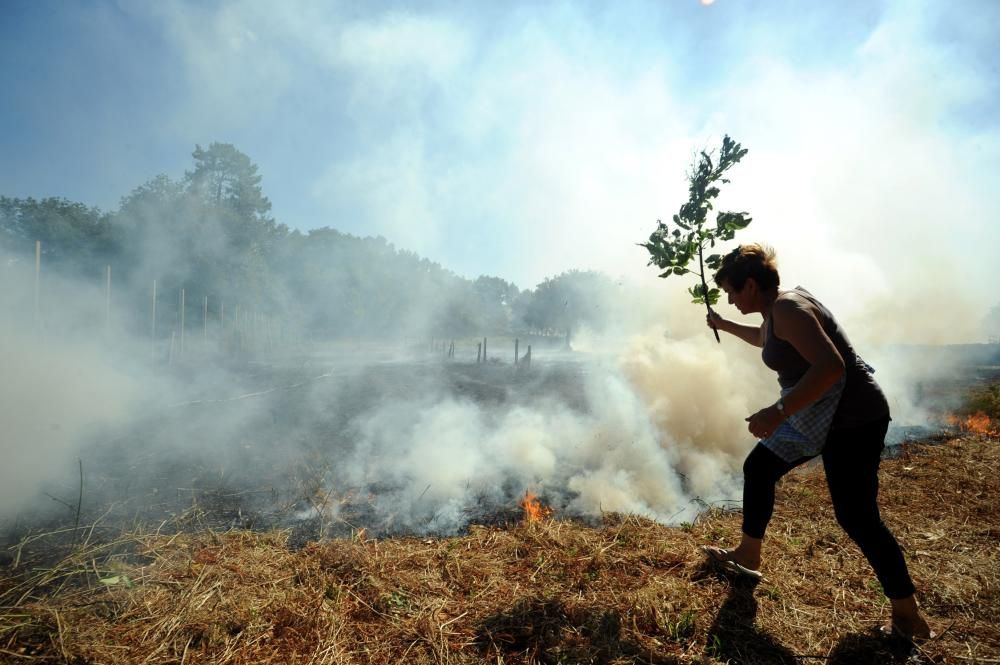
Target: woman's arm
797 324
749 334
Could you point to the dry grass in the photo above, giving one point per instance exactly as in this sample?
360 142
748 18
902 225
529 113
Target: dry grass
551 592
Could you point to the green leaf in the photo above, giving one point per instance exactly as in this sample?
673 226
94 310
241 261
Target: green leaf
673 249
731 221
117 579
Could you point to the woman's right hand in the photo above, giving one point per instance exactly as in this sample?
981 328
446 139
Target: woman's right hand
714 320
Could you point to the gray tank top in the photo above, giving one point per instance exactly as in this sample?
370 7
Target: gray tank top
862 401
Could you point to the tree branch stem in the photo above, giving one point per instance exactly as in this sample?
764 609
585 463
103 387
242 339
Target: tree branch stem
704 286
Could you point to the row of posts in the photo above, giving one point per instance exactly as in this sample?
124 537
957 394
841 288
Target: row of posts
481 347
248 325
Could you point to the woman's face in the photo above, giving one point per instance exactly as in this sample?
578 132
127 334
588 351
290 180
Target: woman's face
742 299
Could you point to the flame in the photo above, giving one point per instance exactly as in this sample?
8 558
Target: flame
534 511
977 423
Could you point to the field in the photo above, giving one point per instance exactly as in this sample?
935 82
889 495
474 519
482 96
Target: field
278 445
244 561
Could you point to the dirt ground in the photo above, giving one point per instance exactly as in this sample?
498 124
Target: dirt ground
551 591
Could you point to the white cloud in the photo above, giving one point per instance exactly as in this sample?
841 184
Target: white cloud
526 142
407 42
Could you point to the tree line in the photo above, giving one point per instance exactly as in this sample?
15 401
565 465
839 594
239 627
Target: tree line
212 232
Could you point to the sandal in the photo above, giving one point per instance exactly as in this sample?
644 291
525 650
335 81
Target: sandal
718 556
891 630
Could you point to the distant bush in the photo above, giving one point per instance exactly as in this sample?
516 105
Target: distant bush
984 399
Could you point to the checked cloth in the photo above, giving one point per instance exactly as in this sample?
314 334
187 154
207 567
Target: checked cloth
803 434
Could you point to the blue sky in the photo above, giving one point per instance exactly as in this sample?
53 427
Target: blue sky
523 139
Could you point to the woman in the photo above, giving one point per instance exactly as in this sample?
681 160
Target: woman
830 405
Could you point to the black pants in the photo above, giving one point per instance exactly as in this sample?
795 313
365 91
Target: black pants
850 459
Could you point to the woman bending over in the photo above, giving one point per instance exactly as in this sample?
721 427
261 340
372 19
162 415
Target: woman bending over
830 405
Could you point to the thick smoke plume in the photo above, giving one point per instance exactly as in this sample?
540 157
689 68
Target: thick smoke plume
657 432
522 143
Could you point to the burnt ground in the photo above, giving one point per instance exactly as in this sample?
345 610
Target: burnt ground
259 450
200 552
625 591
257 453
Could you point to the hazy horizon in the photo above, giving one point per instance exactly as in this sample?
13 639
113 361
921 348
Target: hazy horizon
528 140
520 141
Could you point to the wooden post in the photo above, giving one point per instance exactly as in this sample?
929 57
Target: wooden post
38 279
204 318
182 322
516 342
107 307
479 352
527 357
152 327
237 337
484 349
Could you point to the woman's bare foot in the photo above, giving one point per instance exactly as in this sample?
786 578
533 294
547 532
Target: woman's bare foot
725 560
747 553
907 621
720 554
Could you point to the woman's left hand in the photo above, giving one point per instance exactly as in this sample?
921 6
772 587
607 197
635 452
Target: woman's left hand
765 422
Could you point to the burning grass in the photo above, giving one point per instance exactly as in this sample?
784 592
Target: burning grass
545 591
980 412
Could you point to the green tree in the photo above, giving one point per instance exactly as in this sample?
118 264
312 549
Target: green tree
493 300
673 249
73 236
229 186
223 175
153 209
173 236
210 232
563 303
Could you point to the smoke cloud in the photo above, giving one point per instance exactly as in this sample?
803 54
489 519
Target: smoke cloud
520 141
658 428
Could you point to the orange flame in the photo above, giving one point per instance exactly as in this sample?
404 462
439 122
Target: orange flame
977 423
534 511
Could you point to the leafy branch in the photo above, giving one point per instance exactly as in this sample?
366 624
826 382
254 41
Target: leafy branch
672 249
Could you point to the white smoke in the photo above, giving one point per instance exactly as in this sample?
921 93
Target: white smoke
660 434
57 389
870 170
